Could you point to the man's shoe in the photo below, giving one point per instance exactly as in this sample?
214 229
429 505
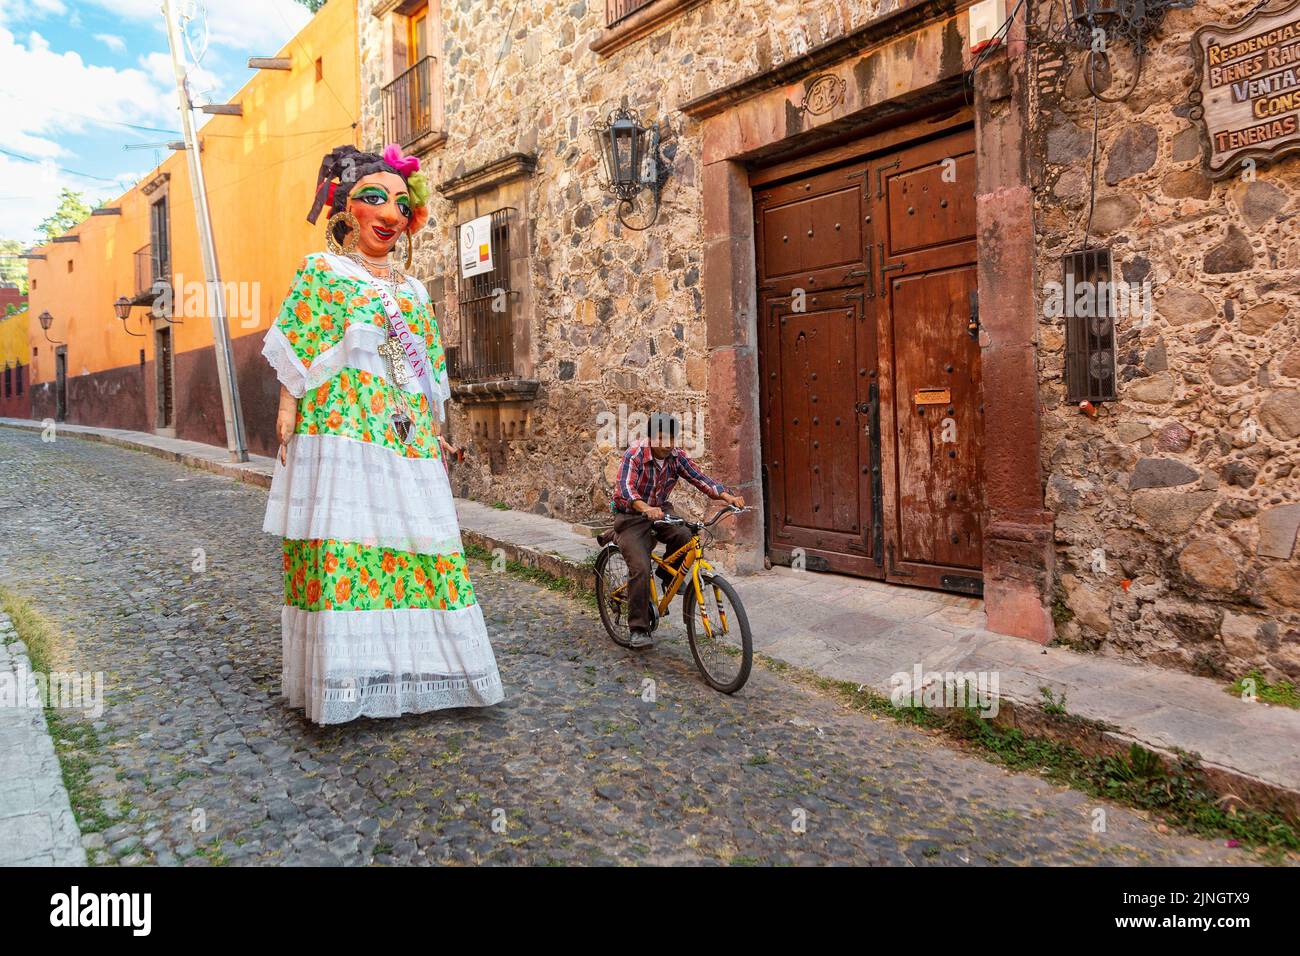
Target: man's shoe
640 639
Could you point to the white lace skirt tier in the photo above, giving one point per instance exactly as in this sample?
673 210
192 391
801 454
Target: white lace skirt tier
340 665
346 490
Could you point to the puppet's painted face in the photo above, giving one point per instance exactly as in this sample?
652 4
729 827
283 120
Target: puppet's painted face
382 206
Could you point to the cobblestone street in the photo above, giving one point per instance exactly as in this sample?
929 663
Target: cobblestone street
200 762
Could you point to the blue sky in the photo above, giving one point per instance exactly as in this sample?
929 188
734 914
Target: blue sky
77 78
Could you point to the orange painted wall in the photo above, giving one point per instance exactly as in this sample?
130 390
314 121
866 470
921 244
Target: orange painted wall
260 170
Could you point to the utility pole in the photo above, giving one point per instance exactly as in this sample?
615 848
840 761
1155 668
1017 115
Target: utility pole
216 297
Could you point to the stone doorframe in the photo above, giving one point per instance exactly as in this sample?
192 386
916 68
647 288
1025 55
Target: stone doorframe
888 71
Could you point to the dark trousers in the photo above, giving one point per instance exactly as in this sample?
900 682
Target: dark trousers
636 536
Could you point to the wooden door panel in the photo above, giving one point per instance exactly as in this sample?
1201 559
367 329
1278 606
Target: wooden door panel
816 454
939 466
820 447
818 232
927 209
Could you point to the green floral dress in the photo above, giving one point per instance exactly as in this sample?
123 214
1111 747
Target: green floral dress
380 617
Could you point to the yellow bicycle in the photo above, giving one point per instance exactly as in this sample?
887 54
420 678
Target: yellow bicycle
716 624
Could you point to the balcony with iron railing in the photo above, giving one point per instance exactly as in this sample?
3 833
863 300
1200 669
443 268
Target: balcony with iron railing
408 104
627 21
150 270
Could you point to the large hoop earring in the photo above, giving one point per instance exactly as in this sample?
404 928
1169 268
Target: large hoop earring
352 233
410 249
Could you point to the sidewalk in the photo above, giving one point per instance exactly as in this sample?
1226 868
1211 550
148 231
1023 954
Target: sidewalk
865 632
37 827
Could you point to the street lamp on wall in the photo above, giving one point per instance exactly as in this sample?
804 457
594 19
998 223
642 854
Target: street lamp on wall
123 309
1132 20
630 155
46 320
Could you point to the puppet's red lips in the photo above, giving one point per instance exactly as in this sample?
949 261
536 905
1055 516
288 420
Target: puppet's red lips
384 234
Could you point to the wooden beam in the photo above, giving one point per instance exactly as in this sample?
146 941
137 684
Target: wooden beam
270 63
31 255
107 211
66 239
223 109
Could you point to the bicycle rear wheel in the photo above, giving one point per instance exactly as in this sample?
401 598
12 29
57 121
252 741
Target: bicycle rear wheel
723 650
611 594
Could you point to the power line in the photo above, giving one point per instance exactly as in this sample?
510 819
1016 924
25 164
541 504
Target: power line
99 119
347 112
70 172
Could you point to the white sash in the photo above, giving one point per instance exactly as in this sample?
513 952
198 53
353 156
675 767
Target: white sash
412 347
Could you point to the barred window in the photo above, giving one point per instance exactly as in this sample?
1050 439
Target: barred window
486 346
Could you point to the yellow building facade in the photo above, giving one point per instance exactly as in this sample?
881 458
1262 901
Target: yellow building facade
156 370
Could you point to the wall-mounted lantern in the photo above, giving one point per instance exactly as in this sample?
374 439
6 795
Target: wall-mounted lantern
1132 20
122 307
630 154
46 321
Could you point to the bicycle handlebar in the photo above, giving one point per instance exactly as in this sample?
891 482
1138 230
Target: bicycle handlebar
722 512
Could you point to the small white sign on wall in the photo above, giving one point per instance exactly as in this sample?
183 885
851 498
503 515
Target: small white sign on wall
476 247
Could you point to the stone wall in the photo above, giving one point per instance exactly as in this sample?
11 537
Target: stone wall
617 314
1186 487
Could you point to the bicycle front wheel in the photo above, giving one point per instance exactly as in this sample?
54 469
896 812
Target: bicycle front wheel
719 634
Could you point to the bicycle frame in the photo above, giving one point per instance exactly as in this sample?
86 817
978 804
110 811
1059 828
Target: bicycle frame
692 559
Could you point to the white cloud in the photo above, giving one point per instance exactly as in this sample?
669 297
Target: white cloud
259 27
46 95
13 11
33 194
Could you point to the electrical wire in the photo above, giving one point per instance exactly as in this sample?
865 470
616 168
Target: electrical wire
70 172
493 78
347 112
987 52
98 119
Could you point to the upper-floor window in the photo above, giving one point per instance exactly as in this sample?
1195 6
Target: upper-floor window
160 253
9 381
627 21
18 377
412 98
616 10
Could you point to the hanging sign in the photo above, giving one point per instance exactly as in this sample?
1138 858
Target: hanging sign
1248 90
476 247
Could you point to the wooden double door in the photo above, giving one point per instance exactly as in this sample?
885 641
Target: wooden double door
870 365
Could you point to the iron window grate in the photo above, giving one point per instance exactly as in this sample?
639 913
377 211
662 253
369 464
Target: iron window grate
486 347
1089 307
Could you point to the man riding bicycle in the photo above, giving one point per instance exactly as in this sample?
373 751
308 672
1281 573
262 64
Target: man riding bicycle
649 471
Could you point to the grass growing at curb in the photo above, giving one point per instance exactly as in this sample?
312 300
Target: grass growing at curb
75 742
538 576
1283 692
1139 779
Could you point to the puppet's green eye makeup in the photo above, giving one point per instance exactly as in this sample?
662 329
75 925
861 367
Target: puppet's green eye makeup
404 206
374 195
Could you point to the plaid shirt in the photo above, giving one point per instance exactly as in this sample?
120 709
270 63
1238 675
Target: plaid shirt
643 478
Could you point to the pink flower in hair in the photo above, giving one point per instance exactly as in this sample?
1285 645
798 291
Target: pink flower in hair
406 165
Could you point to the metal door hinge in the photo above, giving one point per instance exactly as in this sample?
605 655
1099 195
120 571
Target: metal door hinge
880 177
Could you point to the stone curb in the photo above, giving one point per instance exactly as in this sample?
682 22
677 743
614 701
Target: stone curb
1089 736
38 824
245 472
